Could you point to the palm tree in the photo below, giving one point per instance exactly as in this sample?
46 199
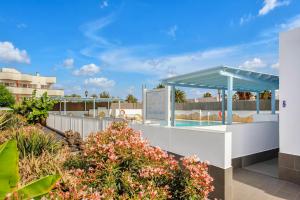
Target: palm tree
131 99
159 86
265 95
104 94
94 95
207 94
244 95
180 96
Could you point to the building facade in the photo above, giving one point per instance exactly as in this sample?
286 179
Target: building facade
23 85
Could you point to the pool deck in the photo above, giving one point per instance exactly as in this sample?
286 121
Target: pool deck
251 185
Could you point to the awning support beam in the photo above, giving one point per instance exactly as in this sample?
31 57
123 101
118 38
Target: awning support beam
273 102
257 103
229 99
223 106
173 105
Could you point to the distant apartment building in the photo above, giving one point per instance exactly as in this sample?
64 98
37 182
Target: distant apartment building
23 85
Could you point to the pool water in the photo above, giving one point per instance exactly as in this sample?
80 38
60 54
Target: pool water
196 123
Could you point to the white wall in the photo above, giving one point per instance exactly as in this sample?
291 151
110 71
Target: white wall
289 72
82 125
251 138
213 146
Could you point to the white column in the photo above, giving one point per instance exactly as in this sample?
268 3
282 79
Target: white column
119 104
273 102
94 107
173 105
65 107
257 102
223 106
144 104
229 99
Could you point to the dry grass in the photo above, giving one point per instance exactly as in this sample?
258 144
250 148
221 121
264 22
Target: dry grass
32 167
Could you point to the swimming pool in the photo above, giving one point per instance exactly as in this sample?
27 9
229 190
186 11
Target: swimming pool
196 123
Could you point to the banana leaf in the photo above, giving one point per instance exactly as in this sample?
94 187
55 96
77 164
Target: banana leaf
38 188
9 174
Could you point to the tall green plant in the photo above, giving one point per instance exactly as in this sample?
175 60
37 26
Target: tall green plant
9 176
35 109
6 98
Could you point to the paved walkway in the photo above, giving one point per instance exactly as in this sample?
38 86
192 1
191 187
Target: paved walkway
250 185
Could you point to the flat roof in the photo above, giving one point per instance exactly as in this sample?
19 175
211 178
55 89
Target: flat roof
217 78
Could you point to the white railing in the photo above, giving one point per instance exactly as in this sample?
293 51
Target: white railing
82 125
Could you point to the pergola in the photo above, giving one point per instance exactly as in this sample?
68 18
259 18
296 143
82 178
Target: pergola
225 78
94 100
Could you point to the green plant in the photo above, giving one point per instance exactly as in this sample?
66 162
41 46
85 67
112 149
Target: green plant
180 96
6 98
104 94
9 176
33 141
35 109
207 94
131 99
11 120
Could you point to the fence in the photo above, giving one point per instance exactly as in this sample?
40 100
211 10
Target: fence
82 125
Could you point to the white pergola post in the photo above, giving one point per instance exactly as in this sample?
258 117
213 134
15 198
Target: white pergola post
173 105
119 105
223 106
60 106
94 107
229 99
257 103
273 102
65 107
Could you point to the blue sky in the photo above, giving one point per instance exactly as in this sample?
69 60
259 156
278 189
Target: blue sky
117 45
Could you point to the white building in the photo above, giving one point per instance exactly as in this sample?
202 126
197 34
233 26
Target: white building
22 85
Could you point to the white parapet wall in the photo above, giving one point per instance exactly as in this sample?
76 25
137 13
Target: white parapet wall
209 145
251 138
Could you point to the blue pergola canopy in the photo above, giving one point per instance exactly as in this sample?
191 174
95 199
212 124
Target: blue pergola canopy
225 78
217 77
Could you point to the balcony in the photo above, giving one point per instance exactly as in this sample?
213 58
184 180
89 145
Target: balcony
28 91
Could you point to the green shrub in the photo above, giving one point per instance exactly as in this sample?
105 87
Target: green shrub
33 141
9 176
10 120
6 98
35 109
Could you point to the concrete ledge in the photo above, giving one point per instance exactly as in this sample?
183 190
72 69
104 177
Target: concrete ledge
289 167
254 158
222 180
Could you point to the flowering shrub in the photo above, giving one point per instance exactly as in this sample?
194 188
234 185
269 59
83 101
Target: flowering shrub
118 164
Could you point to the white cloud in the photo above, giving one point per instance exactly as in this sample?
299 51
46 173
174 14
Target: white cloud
102 82
21 25
270 5
68 63
104 4
92 31
9 53
131 90
275 65
246 18
89 70
172 31
254 63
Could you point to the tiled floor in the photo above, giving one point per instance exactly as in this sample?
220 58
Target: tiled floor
250 185
269 167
